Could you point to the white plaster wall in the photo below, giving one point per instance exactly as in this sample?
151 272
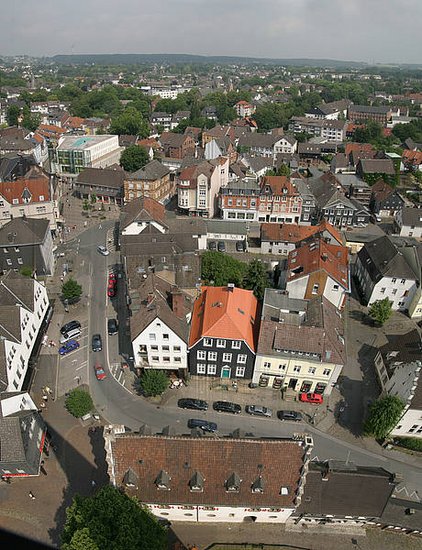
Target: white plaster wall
336 297
16 403
387 283
412 417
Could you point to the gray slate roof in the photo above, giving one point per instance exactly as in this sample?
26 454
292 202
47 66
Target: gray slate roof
23 231
412 216
382 259
154 170
102 176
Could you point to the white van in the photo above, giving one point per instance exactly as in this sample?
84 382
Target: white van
69 335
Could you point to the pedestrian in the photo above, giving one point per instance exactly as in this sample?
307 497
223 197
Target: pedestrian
93 484
31 495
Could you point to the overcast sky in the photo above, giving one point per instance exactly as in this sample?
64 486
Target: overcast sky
359 30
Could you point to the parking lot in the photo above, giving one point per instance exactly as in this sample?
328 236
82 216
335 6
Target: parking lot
73 366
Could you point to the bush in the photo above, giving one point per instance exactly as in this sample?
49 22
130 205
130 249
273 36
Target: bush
384 414
153 382
26 271
71 290
79 403
411 443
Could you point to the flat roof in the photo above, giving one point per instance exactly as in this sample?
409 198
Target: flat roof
81 142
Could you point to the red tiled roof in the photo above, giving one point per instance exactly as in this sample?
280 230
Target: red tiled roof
74 121
290 232
221 312
38 187
318 255
412 157
358 147
277 184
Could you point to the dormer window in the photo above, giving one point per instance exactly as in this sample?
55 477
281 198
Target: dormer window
163 481
258 485
130 479
196 482
233 483
41 197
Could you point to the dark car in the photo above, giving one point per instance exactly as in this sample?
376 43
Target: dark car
227 406
203 424
289 415
70 326
221 246
195 404
257 410
240 246
68 347
97 344
212 245
112 327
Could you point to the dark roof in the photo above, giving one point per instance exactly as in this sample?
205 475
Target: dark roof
104 177
254 139
23 231
369 109
377 166
382 259
141 209
381 190
277 461
345 490
171 139
412 216
154 170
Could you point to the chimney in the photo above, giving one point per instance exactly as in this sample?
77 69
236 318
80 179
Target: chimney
324 257
230 287
178 304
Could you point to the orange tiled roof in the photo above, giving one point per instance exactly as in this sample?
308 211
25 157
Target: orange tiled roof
290 232
74 121
318 255
358 147
278 183
414 157
38 187
223 313
51 129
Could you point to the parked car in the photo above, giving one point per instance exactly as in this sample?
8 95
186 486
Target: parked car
69 335
97 344
70 326
212 245
195 404
111 290
289 415
227 406
112 327
203 424
69 346
112 277
314 398
221 246
99 372
240 246
103 250
257 410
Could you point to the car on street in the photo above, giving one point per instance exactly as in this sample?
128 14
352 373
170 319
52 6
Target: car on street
203 424
69 326
221 246
227 406
112 327
289 415
112 277
314 398
212 245
68 347
195 404
103 250
257 410
97 344
111 290
69 335
240 246
99 372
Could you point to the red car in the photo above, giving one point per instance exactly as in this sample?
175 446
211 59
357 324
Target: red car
99 372
112 277
111 289
315 398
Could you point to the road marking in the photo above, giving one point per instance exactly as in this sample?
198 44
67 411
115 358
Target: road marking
81 367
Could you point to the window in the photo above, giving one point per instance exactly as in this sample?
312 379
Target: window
9 261
16 249
282 367
212 356
221 343
382 290
166 337
211 369
402 281
311 370
201 368
166 348
326 372
236 344
227 357
177 359
335 287
242 358
394 291
177 349
315 289
152 336
240 372
393 280
155 358
201 354
208 342
154 348
267 365
297 368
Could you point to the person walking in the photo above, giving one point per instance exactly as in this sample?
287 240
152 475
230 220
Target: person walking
31 495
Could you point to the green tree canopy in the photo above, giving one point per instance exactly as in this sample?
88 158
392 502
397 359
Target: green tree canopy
130 122
133 158
154 382
220 269
111 519
381 311
384 414
79 402
256 278
30 121
12 115
71 290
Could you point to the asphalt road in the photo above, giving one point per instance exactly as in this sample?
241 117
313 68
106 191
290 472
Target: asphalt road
119 406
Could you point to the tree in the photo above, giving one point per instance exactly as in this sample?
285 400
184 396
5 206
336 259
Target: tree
256 278
220 269
30 121
26 271
71 290
384 414
133 158
79 402
381 311
130 122
12 115
111 519
154 382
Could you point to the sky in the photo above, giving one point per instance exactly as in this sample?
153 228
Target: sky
380 31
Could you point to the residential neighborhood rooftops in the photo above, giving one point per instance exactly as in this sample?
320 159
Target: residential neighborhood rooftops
23 231
411 216
382 258
377 166
105 177
154 170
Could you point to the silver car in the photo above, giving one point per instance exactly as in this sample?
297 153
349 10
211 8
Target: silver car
103 250
257 410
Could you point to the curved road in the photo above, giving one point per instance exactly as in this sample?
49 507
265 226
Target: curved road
119 406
